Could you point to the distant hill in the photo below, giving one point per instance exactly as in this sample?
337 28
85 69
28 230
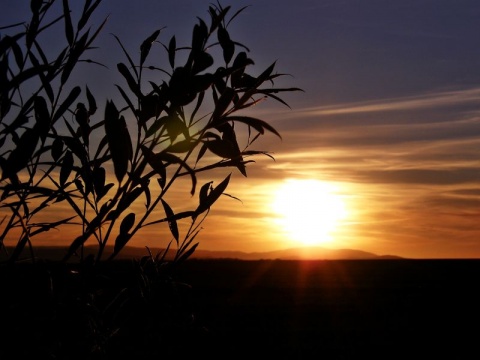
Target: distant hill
307 253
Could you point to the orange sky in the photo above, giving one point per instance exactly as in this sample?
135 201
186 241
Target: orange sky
389 120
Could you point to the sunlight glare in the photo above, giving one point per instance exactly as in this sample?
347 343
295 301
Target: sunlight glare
308 210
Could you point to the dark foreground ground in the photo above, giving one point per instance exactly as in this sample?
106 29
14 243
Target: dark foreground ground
352 309
382 309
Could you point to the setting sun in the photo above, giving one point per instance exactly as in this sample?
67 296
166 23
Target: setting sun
308 210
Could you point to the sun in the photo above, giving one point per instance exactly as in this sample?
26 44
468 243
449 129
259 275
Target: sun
308 211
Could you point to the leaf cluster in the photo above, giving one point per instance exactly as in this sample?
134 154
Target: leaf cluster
58 151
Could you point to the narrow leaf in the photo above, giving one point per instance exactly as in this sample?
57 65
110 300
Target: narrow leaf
181 146
132 84
257 124
226 43
42 117
130 61
125 202
74 55
222 104
202 61
23 76
19 248
48 226
201 152
99 176
118 140
74 93
212 196
172 48
126 98
68 22
187 254
87 12
265 75
172 224
45 82
120 242
146 46
199 36
79 241
172 159
156 126
92 104
57 148
66 169
127 223
22 153
155 162
204 191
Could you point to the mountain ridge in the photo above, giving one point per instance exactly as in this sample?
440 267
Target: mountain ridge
301 253
306 253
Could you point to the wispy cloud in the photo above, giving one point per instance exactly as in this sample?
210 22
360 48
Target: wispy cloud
432 100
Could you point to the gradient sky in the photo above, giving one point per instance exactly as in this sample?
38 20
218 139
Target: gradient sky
390 117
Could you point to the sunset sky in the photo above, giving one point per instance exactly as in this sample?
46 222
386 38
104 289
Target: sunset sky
385 136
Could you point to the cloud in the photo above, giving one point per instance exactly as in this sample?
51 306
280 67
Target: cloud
421 176
432 100
432 139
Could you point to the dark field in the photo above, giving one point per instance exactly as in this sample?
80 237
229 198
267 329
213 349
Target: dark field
384 309
268 309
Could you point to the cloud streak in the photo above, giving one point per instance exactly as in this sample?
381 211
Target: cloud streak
424 101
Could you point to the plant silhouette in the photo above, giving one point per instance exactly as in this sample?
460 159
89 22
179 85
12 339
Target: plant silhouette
62 154
45 167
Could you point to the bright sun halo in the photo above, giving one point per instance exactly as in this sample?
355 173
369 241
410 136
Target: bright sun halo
308 210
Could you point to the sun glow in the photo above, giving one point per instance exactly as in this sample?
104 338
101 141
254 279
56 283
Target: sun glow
308 211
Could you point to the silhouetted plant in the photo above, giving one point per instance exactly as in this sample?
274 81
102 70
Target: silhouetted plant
34 101
57 152
171 132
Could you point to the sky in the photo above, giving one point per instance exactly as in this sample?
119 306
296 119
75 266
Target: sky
385 136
